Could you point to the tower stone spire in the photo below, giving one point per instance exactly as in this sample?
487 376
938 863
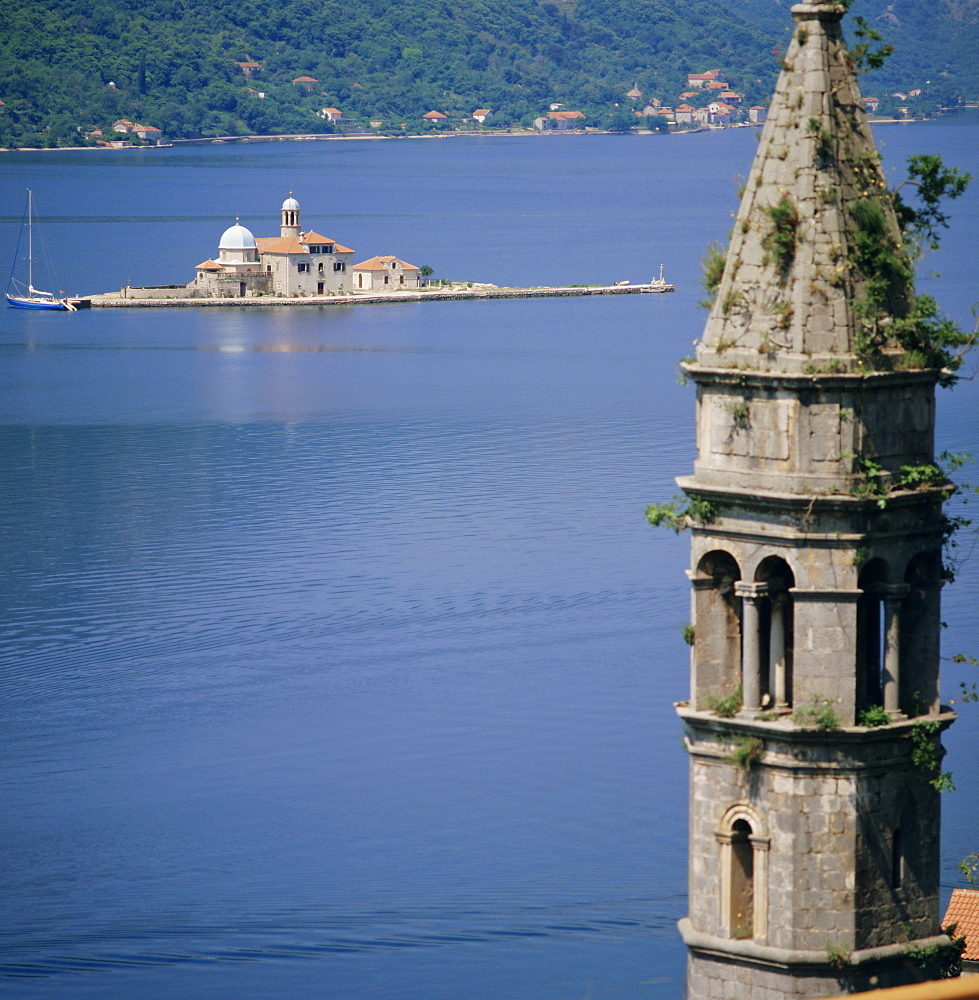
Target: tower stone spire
787 298
816 574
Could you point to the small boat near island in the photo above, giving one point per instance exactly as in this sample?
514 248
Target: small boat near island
29 297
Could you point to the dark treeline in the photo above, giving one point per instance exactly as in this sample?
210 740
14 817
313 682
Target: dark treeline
69 66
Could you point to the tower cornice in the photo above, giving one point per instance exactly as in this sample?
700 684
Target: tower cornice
795 382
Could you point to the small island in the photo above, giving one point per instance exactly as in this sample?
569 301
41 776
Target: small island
300 267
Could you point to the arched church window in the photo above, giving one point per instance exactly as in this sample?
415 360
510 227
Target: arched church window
741 899
716 669
767 643
744 874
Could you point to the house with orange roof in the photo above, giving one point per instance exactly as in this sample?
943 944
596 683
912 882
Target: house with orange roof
697 81
720 113
481 114
248 66
715 85
435 117
334 115
149 132
730 97
385 274
684 114
758 115
560 120
963 912
305 81
295 263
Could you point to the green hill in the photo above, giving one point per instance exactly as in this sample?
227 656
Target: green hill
72 65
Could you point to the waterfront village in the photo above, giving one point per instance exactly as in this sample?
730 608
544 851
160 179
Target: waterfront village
708 102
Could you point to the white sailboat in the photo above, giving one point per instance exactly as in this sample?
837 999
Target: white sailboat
31 297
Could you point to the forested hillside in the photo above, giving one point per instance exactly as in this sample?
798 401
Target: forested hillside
68 66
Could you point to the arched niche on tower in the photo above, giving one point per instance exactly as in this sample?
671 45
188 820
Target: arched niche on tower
716 669
744 843
873 583
775 625
919 636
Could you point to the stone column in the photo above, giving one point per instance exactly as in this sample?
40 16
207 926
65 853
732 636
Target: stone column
892 595
776 646
750 594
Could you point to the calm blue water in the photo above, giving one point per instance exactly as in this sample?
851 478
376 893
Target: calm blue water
337 659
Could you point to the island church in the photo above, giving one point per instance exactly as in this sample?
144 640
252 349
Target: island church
295 264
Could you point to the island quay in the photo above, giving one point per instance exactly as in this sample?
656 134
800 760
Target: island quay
302 267
130 298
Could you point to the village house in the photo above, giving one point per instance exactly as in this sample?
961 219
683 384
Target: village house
146 132
701 116
294 263
871 104
481 114
715 86
684 114
248 67
758 115
635 94
697 81
149 133
385 274
435 117
963 915
558 120
333 115
730 97
720 114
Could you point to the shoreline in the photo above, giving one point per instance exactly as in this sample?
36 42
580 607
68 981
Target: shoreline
115 300
227 140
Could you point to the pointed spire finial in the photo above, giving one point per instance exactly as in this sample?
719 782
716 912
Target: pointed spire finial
790 298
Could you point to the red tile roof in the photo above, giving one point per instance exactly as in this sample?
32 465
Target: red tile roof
433 115
210 265
381 263
963 911
308 238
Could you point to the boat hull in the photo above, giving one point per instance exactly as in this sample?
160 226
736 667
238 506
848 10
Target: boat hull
29 303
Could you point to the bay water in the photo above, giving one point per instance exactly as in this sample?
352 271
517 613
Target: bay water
337 659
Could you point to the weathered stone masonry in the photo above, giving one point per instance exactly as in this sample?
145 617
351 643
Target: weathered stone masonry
814 840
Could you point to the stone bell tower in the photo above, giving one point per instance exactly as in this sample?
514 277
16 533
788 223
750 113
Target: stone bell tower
290 218
816 575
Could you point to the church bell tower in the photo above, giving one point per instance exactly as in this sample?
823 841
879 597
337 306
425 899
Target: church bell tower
290 218
816 574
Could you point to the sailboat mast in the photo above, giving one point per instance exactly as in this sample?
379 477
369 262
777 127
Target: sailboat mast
30 242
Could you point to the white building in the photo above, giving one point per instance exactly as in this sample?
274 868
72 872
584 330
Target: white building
385 274
294 263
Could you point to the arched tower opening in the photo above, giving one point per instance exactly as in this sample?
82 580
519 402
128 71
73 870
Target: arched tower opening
869 651
717 632
775 638
918 639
